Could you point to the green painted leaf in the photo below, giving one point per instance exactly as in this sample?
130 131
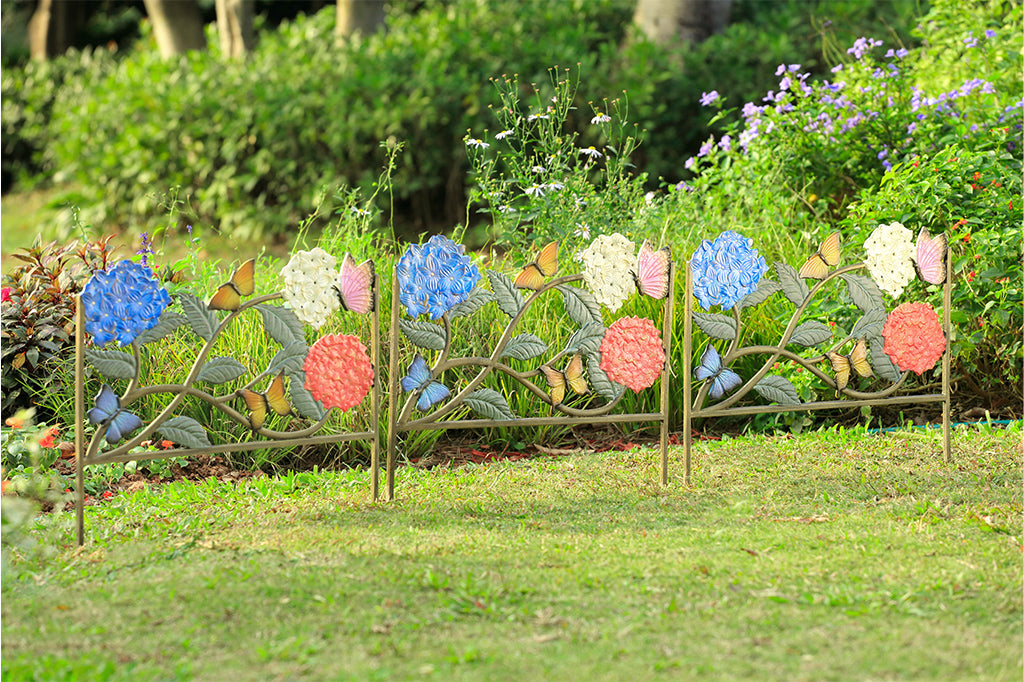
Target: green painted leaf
811 333
524 347
478 298
165 326
863 291
289 358
281 324
114 364
489 404
580 305
605 387
221 370
185 431
303 401
586 340
423 334
776 389
791 283
765 288
882 363
716 326
870 324
508 297
204 322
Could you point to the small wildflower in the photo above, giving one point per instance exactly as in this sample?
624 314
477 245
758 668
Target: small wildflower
146 249
690 163
479 144
107 494
971 275
706 148
166 444
600 118
970 41
708 98
534 190
582 230
539 169
591 152
503 134
534 117
725 144
360 211
989 33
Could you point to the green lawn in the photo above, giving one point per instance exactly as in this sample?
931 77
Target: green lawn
831 556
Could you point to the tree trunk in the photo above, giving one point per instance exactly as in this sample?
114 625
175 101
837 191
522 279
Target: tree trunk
177 26
235 26
668 21
358 16
51 27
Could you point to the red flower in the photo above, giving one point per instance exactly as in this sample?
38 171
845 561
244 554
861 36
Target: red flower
107 494
5 294
970 276
338 371
15 422
47 441
167 444
632 353
913 337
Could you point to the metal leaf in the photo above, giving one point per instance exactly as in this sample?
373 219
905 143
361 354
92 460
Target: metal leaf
716 326
423 334
204 322
281 324
580 305
489 404
289 358
524 347
776 389
864 293
478 298
303 401
114 364
811 333
586 340
870 324
791 283
221 370
165 326
765 288
508 297
185 431
605 387
882 363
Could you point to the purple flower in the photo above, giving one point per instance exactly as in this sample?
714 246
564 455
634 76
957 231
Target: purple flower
706 148
837 68
725 270
750 109
690 163
781 69
725 143
708 98
146 249
989 33
970 41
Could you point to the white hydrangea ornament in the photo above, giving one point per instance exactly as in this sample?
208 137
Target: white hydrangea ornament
608 272
890 257
309 286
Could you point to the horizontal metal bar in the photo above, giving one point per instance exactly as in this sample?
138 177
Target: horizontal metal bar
247 446
821 405
531 421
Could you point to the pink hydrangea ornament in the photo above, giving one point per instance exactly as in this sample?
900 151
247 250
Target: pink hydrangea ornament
338 371
913 337
632 353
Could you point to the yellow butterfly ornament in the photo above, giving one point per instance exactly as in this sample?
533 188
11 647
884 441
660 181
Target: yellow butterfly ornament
827 256
544 265
260 404
845 365
572 378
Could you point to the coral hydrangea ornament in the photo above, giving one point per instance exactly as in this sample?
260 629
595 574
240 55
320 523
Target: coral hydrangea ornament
913 337
890 257
725 270
608 264
434 277
632 353
122 303
338 371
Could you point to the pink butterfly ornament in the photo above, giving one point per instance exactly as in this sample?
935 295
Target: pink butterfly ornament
930 257
652 271
354 284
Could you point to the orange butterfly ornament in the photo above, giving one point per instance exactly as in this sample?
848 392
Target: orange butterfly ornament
845 365
242 283
572 378
544 265
260 404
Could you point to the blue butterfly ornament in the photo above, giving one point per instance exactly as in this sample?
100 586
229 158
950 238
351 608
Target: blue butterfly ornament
418 378
108 412
722 378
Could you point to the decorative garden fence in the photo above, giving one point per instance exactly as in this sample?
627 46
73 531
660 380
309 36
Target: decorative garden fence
582 382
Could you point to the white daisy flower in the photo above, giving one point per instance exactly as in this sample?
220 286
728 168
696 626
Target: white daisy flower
591 152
